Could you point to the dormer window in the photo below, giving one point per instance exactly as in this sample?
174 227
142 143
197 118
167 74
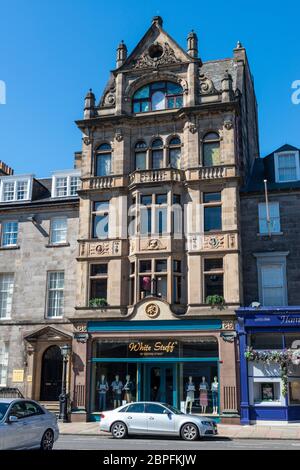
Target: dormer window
65 184
287 166
13 190
157 96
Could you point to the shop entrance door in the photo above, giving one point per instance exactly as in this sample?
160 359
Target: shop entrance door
160 383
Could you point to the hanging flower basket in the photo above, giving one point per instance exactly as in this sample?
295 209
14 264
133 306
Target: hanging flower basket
284 358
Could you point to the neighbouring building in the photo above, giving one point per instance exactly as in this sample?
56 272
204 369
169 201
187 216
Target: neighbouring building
38 247
156 297
269 327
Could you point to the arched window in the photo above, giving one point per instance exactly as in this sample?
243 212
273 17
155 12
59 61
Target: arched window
175 152
157 96
140 155
103 160
157 154
211 149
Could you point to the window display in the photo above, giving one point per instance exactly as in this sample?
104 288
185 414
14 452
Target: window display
294 392
267 392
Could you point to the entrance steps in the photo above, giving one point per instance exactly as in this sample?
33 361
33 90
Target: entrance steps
52 406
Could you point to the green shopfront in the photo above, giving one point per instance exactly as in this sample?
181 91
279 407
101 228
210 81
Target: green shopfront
175 362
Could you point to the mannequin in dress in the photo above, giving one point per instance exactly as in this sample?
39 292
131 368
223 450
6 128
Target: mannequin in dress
190 394
215 395
128 389
203 387
102 388
117 387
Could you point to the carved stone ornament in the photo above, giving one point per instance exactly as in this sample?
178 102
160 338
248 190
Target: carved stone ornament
207 86
167 57
86 140
192 128
214 242
228 124
81 337
228 336
154 244
109 99
100 249
81 328
119 135
152 310
228 325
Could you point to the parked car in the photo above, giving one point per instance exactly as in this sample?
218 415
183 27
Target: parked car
25 424
156 419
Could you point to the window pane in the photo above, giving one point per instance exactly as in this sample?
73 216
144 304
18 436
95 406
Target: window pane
74 185
100 226
136 107
294 389
3 370
101 206
273 284
55 294
9 233
175 155
161 216
274 215
145 284
61 187
173 89
98 269
22 187
287 169
266 341
161 265
213 284
146 219
158 101
211 197
145 266
142 93
177 266
146 200
212 218
161 286
177 289
145 106
161 198
175 141
140 161
136 408
211 154
98 289
6 294
8 192
157 159
58 230
213 264
103 164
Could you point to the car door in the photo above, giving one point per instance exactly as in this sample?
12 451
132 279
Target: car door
35 423
16 434
134 418
159 419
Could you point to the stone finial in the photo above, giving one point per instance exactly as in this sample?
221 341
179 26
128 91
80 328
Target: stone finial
227 89
239 45
192 44
121 54
89 104
157 20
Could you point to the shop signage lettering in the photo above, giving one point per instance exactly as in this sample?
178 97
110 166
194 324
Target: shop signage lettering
287 320
153 348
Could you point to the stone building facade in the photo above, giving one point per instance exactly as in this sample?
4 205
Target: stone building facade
170 141
39 231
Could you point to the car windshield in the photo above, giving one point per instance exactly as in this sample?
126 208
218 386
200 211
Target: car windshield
173 409
3 409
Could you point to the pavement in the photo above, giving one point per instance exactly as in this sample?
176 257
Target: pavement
258 431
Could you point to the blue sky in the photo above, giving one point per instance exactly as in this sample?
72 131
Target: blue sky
53 51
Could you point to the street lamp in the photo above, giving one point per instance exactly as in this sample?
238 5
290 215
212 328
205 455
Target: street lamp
63 397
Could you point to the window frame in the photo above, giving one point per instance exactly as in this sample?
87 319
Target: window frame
5 222
60 289
15 181
212 272
100 213
212 204
261 220
100 152
267 259
176 146
153 88
10 292
68 177
51 242
205 141
95 277
297 165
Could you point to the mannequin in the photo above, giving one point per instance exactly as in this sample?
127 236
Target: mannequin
215 395
203 387
117 387
102 388
190 394
128 388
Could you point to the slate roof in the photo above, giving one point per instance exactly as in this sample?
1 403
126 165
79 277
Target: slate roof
264 168
216 69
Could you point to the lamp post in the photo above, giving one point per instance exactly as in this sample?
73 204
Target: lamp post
63 397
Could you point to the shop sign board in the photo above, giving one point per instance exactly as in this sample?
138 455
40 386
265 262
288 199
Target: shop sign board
152 348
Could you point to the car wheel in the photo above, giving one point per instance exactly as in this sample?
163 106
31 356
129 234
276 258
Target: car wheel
189 432
119 430
47 440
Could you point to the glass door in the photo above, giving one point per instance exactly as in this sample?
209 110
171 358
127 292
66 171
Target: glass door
160 383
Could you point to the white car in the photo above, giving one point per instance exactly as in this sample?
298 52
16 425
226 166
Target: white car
156 419
25 424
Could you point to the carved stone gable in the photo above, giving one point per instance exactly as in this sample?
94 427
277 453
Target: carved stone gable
148 59
207 86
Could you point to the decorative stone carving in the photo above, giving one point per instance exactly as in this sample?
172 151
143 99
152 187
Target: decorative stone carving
228 124
131 246
80 327
119 135
81 337
152 310
207 86
109 99
228 325
155 244
214 242
100 249
86 140
167 57
228 336
116 247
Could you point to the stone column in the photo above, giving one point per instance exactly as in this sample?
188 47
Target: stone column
78 388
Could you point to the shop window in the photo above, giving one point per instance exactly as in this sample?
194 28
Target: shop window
103 160
98 284
100 219
213 277
212 211
294 392
266 341
211 149
197 392
292 340
266 392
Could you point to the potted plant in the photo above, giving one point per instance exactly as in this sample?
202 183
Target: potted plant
98 302
215 301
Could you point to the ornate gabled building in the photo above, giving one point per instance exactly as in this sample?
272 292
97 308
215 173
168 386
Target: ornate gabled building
164 153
